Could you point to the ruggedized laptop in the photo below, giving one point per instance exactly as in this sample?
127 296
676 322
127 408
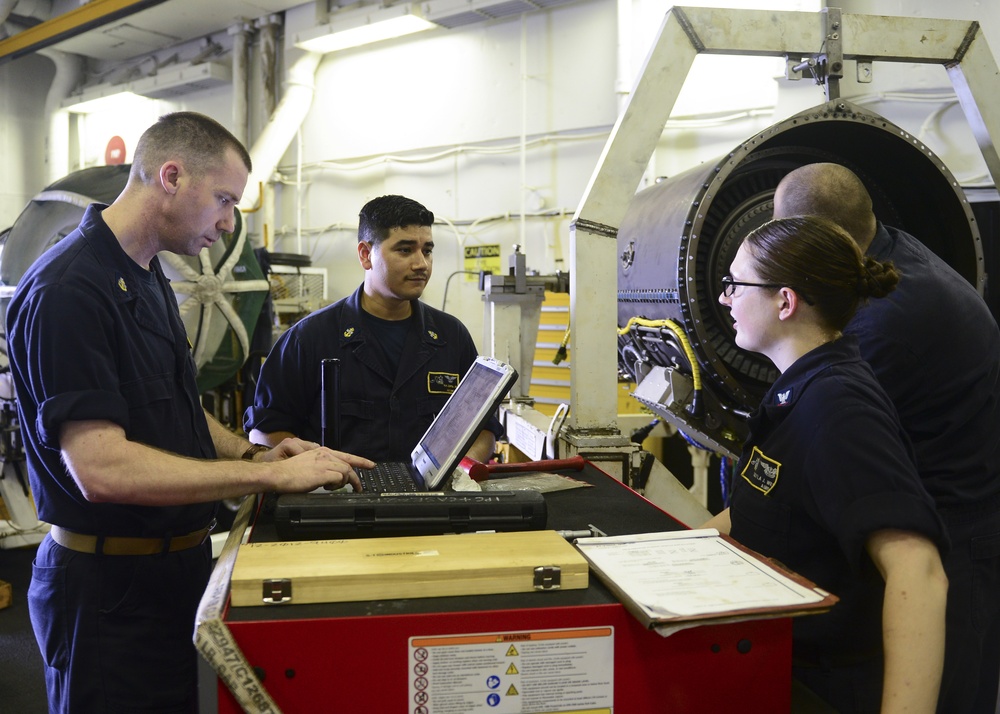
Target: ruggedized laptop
412 501
449 436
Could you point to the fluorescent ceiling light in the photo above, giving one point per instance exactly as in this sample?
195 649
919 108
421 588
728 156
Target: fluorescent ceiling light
362 27
114 101
183 79
167 83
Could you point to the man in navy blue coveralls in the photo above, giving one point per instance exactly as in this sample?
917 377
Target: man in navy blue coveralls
935 348
400 359
124 462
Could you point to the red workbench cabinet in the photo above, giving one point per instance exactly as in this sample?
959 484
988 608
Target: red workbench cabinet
360 664
356 656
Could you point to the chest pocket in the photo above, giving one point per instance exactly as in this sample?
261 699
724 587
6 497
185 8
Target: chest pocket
144 392
152 409
359 433
357 409
761 522
430 406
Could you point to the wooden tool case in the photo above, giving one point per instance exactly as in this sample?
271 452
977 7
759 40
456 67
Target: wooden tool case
396 568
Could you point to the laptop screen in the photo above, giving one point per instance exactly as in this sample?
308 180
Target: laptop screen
466 406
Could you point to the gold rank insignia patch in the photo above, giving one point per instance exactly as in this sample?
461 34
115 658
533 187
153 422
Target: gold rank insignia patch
441 382
121 284
348 332
433 334
761 472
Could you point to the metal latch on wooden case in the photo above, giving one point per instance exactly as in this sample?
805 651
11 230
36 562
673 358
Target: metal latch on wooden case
548 577
277 590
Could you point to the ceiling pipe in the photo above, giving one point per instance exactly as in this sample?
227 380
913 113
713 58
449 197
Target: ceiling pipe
68 74
277 135
268 28
69 71
6 7
241 33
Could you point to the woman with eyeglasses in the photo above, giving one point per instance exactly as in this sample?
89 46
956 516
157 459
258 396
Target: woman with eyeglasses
826 482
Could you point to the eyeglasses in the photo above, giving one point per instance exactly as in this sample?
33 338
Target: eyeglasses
729 285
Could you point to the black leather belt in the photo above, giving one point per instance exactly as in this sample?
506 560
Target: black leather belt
126 545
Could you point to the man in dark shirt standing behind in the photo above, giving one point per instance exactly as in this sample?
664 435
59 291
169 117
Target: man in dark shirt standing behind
935 348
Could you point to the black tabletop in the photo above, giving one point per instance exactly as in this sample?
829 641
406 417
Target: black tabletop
605 504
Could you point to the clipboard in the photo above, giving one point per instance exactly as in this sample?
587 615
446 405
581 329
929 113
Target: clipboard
678 579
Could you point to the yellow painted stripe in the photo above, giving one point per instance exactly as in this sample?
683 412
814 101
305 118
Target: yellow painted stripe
86 17
544 390
555 319
560 372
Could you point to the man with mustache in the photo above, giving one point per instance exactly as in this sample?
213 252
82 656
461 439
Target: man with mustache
400 359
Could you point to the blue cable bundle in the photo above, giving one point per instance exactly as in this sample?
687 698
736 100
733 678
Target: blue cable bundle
724 479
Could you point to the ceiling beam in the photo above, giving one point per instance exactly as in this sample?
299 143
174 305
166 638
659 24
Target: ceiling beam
86 17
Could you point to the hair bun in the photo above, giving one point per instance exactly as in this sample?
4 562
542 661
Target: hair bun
877 278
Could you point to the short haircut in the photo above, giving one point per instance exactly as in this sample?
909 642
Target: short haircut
195 139
382 214
831 191
821 262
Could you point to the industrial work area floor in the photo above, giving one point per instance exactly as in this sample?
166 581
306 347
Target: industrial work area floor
22 678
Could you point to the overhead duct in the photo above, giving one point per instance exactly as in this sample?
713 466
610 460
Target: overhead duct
69 69
678 238
281 128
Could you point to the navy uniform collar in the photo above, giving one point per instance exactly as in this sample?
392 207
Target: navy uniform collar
125 275
793 381
352 326
108 250
882 244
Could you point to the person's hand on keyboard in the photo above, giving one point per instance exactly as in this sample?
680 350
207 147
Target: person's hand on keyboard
306 466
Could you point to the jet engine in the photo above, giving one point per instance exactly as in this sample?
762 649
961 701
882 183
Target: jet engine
678 238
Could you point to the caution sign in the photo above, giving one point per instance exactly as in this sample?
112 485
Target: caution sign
484 258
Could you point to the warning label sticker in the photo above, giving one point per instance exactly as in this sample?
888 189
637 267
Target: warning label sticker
481 258
557 671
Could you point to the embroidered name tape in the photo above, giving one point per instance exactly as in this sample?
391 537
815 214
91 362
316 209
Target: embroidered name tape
441 382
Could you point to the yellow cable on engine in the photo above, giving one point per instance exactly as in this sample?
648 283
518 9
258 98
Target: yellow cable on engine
676 329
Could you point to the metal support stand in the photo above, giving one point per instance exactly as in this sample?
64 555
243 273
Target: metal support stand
513 307
960 46
23 527
512 315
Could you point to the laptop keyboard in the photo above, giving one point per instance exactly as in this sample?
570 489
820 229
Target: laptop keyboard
387 477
